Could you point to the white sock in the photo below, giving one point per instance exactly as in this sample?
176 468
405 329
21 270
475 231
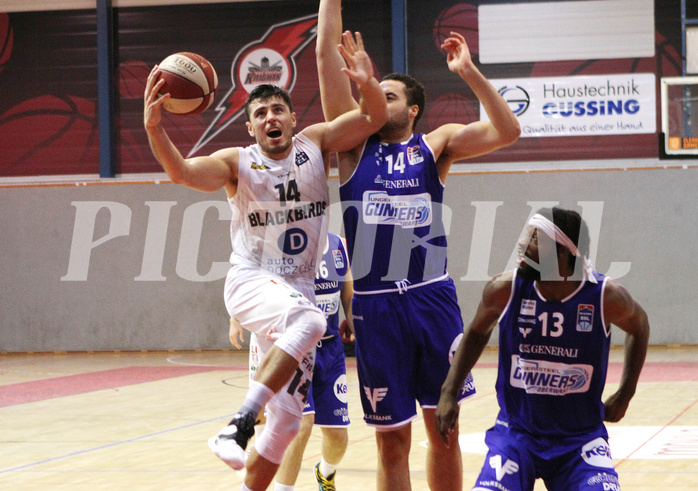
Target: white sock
283 487
244 488
257 397
326 469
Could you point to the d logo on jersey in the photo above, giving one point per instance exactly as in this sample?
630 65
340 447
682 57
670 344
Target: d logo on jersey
293 241
269 60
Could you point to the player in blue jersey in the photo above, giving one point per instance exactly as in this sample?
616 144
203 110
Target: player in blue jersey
406 316
555 314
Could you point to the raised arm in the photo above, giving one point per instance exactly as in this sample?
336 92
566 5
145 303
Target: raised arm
494 299
620 309
335 88
457 141
351 129
202 173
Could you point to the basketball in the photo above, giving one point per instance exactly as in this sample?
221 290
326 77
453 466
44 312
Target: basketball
6 40
461 18
191 82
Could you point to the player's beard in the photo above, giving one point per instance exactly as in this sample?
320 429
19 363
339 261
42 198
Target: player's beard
545 270
396 124
528 272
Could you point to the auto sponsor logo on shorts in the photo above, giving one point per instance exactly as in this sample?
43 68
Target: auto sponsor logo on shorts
598 453
549 378
585 318
407 211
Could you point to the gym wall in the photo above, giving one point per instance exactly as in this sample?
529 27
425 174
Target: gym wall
134 262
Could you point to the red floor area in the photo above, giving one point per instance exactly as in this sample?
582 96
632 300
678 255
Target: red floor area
87 382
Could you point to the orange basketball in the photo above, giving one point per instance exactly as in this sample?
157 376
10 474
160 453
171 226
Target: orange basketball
191 82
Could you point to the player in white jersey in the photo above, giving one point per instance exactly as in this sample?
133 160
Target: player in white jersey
554 315
327 404
265 291
382 336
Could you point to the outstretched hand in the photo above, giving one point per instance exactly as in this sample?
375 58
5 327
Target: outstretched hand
457 52
152 100
360 66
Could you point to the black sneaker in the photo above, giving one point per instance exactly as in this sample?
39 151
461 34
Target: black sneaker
230 443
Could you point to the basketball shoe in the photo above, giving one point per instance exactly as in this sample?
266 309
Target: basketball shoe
324 483
230 443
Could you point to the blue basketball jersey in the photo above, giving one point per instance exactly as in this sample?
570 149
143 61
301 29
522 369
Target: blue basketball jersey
329 280
553 357
392 207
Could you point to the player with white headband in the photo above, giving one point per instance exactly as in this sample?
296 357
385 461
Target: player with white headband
546 226
554 323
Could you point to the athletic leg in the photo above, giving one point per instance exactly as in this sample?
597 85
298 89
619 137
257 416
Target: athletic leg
444 465
281 428
393 458
293 458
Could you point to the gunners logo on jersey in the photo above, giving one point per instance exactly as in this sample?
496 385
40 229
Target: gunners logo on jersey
269 60
585 318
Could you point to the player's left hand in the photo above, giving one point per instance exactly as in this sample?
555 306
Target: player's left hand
457 52
360 66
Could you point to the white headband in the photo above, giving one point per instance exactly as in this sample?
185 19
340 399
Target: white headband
553 231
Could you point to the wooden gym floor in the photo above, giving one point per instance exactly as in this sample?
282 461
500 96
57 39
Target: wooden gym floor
140 421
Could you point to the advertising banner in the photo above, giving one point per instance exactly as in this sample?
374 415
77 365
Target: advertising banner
583 105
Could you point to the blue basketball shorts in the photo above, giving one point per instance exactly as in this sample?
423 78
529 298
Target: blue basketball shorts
405 343
328 397
515 459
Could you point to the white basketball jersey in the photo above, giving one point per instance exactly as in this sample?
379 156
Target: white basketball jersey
279 212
